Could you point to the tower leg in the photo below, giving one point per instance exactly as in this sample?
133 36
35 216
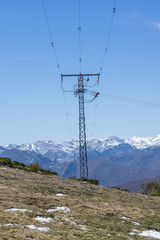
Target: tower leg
82 132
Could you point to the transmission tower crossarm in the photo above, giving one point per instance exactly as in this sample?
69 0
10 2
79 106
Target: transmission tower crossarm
77 75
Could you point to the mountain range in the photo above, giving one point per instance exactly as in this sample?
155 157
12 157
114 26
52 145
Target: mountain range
111 160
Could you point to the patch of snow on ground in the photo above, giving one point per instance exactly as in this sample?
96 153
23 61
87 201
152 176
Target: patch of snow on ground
10 224
16 209
73 223
83 227
150 233
136 223
147 233
64 209
43 220
61 195
68 220
45 229
126 218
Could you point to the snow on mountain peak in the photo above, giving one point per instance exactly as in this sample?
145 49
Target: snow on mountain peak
11 146
71 148
104 144
43 147
143 143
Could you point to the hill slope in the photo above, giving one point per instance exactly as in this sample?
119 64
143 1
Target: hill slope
31 209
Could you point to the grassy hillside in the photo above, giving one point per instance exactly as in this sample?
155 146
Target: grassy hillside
85 211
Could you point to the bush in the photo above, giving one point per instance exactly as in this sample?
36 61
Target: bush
5 162
34 167
73 178
116 188
93 181
15 163
19 165
151 188
48 172
125 190
82 179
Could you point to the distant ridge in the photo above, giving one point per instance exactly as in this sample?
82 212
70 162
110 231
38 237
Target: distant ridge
135 186
100 144
131 159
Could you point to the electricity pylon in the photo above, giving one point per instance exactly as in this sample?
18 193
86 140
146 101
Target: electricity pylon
80 91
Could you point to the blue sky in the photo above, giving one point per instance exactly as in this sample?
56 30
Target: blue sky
31 100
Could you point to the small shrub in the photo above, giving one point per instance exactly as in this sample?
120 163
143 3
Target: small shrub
116 188
125 190
73 178
82 179
93 181
48 172
15 163
19 165
34 167
5 162
151 188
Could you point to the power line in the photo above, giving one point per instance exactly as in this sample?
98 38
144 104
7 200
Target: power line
108 37
94 119
103 60
67 115
51 37
124 99
79 29
58 66
130 100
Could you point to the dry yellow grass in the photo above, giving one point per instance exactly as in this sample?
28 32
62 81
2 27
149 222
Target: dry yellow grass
95 212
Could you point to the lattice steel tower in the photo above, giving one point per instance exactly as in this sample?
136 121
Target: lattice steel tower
80 91
82 131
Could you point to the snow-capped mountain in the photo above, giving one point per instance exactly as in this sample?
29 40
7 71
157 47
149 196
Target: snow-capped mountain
93 144
143 143
11 146
68 151
42 147
111 160
2 149
63 152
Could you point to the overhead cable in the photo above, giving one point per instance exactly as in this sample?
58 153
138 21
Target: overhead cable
67 115
79 29
127 100
51 37
108 37
58 66
94 119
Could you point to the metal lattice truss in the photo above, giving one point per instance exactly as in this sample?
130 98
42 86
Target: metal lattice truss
80 91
